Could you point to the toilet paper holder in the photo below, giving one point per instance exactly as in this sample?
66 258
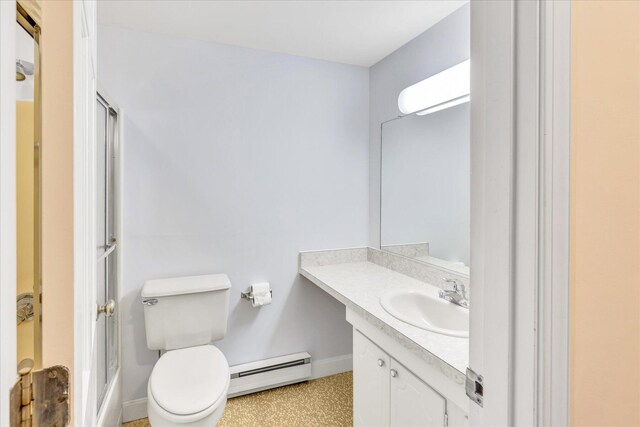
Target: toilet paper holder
248 295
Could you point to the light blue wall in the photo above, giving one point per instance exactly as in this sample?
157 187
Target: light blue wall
236 160
445 44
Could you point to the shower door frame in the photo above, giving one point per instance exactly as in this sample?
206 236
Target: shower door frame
110 411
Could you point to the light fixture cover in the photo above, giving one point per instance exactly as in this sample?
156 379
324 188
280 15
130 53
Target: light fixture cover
447 85
444 105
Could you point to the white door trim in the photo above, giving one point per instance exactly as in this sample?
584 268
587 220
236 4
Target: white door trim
520 53
492 213
553 298
8 267
84 171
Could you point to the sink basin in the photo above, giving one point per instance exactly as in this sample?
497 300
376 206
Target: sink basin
425 310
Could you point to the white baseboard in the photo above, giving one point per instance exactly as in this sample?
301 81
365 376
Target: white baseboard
331 366
136 409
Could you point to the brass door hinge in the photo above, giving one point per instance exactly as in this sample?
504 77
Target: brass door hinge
41 398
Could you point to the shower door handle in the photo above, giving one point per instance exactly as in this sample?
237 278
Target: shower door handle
108 309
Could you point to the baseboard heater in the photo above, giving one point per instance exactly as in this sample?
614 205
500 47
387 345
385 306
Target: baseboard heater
269 373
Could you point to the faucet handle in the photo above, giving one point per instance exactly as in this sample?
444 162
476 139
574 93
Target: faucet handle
458 286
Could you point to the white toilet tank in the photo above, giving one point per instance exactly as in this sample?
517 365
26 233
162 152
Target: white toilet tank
185 311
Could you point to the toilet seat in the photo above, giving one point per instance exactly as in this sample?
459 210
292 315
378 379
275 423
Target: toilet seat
189 384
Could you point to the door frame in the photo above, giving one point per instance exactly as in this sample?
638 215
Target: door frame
520 146
554 284
8 325
84 179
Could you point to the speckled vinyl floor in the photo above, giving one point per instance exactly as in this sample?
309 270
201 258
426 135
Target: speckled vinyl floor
326 402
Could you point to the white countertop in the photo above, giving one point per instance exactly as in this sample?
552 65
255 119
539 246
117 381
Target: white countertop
359 286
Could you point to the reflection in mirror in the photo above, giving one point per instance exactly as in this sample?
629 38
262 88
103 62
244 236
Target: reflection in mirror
28 311
425 187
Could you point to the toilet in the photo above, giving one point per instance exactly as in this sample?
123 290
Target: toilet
183 316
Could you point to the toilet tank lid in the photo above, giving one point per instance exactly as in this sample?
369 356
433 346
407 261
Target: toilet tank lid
185 285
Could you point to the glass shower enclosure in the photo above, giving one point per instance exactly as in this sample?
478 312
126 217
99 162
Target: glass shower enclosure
107 245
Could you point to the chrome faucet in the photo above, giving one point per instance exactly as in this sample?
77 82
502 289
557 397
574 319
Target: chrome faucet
457 295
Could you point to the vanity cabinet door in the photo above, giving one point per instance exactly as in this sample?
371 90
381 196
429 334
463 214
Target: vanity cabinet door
412 402
370 383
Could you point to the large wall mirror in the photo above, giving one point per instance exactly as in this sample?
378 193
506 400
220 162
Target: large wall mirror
28 188
425 187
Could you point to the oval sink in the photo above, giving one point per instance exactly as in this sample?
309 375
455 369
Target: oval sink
425 310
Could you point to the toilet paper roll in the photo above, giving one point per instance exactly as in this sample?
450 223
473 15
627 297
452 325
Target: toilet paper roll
261 294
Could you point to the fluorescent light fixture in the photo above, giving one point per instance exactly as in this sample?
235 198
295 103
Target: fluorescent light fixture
444 105
452 84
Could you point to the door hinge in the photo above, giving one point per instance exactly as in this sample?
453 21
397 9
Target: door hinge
446 419
40 398
474 386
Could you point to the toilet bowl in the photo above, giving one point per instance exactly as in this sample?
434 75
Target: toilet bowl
188 385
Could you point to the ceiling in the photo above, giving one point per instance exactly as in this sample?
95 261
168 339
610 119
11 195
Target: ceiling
350 32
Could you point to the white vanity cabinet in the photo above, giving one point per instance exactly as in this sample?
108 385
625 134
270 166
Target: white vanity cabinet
388 394
412 402
370 383
402 375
